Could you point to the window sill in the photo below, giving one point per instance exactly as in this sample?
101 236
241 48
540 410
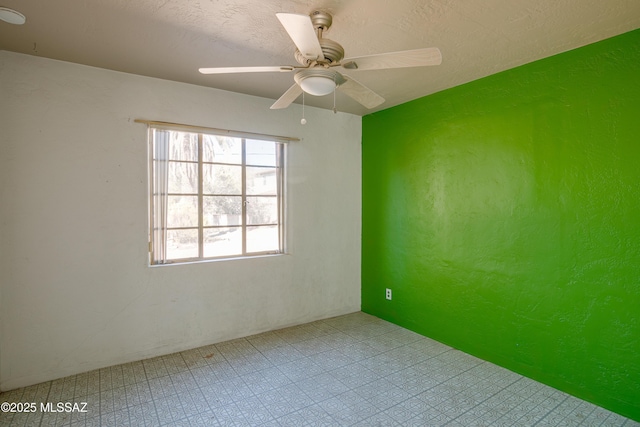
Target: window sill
216 260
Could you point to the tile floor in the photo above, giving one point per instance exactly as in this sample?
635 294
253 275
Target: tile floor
353 370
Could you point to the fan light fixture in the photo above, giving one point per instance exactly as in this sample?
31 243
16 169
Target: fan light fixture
318 85
12 16
317 81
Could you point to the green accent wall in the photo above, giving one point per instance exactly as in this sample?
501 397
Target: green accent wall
505 216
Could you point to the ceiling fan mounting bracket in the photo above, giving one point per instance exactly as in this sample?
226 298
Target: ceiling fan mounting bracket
321 20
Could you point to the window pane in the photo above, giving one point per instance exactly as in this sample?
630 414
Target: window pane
261 153
262 210
222 241
222 210
222 179
183 211
262 181
182 244
221 149
203 180
183 146
183 177
263 239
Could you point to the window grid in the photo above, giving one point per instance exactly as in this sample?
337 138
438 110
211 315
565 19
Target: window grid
200 200
244 223
244 196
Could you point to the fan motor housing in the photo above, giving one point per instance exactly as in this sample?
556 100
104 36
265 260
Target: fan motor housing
333 52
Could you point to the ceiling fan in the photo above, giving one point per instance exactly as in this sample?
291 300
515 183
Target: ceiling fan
319 56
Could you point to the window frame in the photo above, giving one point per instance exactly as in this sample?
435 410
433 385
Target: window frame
243 137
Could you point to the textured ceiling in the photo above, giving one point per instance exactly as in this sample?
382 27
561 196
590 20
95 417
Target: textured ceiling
171 39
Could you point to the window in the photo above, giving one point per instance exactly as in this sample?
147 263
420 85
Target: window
214 196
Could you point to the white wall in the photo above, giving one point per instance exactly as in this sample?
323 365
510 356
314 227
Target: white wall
77 292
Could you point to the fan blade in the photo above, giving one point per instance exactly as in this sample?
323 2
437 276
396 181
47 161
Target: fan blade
300 29
232 70
287 98
360 93
405 58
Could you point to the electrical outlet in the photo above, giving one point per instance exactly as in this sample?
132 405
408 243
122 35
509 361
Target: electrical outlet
388 294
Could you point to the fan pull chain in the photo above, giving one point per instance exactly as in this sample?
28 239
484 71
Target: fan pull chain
303 121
